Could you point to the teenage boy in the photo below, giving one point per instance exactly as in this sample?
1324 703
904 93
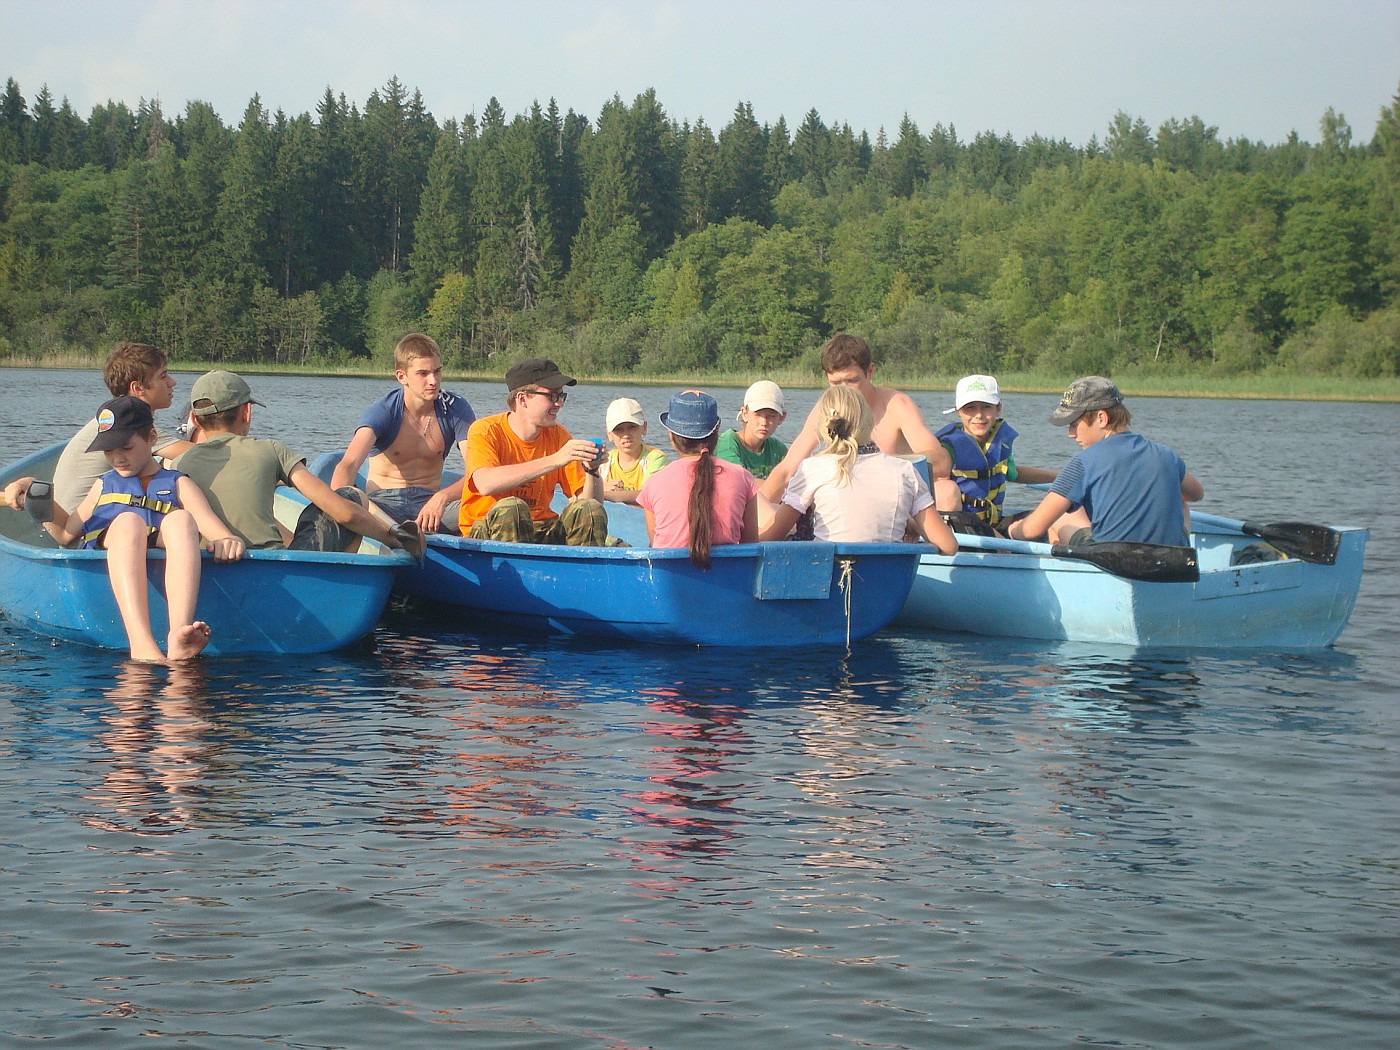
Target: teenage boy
406 436
517 458
900 429
136 369
752 444
240 475
1120 487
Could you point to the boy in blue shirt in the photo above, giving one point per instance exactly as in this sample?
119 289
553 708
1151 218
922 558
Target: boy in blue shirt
1121 487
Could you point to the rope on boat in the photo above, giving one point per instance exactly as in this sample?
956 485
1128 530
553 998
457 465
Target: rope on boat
845 582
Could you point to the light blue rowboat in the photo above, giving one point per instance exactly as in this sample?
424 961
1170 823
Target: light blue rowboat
267 602
1027 590
753 595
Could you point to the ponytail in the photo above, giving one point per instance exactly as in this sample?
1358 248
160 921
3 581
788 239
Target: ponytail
700 514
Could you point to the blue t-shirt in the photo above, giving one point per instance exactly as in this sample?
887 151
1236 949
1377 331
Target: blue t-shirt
385 417
1130 487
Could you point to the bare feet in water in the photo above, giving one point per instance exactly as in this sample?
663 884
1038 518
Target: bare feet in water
187 641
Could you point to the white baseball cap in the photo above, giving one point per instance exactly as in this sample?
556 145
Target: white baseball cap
625 410
975 388
763 394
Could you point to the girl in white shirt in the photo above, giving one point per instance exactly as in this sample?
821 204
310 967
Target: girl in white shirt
856 492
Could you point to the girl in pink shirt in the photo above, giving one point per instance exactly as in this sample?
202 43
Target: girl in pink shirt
698 501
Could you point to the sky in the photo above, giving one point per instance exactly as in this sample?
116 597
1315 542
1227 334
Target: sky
1255 69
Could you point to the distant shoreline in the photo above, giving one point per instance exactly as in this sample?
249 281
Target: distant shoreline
1254 388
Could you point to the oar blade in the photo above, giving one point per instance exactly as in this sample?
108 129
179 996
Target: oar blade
1149 562
1301 539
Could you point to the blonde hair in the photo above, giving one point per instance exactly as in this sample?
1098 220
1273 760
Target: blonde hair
413 346
846 424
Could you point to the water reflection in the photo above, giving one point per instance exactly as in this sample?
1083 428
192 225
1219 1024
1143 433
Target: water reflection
158 751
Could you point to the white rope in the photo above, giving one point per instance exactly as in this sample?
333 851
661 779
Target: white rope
844 582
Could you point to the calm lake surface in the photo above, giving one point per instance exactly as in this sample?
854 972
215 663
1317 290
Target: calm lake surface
453 837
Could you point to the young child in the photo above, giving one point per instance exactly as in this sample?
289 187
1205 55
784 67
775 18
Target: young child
753 445
136 505
979 445
631 461
698 501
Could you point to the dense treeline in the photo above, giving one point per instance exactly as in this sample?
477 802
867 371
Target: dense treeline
634 243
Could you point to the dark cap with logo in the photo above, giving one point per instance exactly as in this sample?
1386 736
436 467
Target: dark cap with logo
1085 395
540 371
118 419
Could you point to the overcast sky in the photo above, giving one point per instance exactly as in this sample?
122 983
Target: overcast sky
1254 69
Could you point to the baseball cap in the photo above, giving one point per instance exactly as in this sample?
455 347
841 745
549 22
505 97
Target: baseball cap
223 390
763 394
118 419
975 388
625 410
540 370
1085 395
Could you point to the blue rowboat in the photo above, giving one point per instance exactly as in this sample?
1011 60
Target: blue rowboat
754 594
267 602
1016 589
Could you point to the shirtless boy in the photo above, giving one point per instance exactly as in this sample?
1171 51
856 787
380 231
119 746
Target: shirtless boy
406 436
900 429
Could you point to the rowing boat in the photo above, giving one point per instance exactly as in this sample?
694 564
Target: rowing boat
270 601
1279 586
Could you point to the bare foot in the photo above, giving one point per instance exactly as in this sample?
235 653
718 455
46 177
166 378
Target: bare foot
188 641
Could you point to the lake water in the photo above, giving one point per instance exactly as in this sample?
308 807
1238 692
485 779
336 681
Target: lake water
455 837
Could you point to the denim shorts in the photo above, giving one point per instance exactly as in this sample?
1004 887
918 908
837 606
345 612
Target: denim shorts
402 504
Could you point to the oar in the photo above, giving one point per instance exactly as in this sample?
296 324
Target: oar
1306 542
1149 562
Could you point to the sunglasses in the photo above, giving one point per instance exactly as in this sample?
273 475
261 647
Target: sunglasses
558 398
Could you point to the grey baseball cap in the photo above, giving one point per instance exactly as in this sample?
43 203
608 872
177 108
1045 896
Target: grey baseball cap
1085 395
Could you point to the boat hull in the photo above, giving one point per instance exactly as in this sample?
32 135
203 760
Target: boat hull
1288 604
752 595
267 602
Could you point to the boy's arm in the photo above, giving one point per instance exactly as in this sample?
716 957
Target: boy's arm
1034 475
348 469
430 517
15 492
223 544
775 484
1037 523
66 528
1192 491
921 440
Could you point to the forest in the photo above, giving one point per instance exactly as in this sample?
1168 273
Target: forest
635 245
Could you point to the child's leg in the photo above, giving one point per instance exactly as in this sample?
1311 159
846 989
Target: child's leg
179 535
125 540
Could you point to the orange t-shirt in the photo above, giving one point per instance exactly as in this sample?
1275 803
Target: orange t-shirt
492 443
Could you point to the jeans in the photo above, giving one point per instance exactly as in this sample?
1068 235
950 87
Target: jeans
404 504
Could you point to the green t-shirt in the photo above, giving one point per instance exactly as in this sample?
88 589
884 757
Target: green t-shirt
760 464
240 474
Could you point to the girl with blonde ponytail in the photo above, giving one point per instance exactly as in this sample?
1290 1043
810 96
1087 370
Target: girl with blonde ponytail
856 492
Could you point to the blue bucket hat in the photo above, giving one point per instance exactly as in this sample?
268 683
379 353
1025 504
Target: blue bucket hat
694 414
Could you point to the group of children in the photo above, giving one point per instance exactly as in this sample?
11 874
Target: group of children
838 482
1127 489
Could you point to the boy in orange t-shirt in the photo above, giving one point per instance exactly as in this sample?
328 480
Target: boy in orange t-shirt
517 458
